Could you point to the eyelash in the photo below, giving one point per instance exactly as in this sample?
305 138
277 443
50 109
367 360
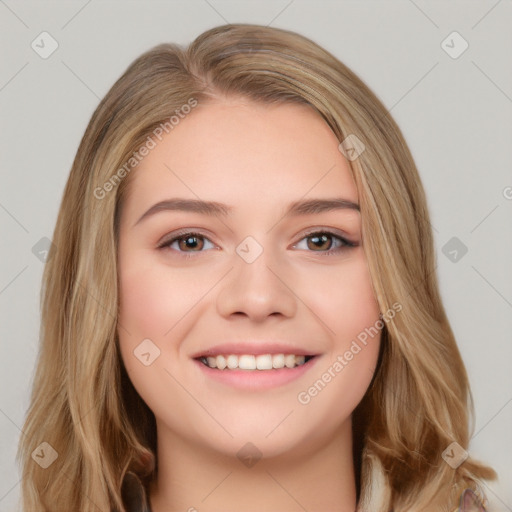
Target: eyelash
345 244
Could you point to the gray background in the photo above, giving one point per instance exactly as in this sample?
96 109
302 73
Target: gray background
456 115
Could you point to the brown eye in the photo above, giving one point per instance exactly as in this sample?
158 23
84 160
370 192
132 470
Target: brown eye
186 243
321 241
325 243
192 242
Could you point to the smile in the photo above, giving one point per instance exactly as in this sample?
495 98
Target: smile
262 362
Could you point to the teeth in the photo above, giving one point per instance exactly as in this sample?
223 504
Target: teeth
264 362
251 362
221 362
278 361
232 362
246 362
289 361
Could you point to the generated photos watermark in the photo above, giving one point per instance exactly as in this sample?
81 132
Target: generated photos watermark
151 143
342 360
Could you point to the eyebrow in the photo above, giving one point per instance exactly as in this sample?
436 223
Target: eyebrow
215 209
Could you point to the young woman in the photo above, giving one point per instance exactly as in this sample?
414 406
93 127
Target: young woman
241 310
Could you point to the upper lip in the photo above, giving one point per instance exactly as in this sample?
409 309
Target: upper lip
253 348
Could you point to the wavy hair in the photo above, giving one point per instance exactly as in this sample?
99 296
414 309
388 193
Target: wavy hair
83 403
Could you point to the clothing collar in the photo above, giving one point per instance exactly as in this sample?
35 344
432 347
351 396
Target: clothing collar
134 495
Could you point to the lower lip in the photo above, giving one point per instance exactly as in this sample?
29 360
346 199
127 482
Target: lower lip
256 379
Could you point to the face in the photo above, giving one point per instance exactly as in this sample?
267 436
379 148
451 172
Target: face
250 281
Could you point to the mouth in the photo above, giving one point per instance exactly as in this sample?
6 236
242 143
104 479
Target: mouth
254 363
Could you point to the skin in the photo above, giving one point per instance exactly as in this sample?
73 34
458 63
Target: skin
257 159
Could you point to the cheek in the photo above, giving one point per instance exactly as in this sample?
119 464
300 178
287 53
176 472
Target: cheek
154 298
145 313
343 300
142 305
350 313
158 303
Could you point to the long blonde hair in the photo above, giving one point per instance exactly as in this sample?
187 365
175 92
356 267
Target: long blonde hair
83 403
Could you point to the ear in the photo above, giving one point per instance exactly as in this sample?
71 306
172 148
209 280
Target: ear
470 502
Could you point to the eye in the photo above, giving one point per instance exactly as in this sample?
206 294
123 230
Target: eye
324 241
186 242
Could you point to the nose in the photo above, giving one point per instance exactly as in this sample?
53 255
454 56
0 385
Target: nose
257 290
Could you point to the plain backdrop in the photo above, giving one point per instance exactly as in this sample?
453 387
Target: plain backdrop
453 104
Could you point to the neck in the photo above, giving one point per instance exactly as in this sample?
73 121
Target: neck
194 478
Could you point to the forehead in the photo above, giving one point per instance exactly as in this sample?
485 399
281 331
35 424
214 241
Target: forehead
241 152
